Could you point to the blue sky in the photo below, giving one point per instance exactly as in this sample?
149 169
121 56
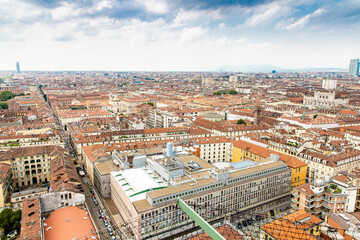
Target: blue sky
153 35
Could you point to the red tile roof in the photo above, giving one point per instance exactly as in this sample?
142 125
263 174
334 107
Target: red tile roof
69 223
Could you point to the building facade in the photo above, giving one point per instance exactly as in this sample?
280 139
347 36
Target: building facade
214 194
354 67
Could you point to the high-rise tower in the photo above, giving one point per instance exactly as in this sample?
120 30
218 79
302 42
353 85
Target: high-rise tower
354 67
17 67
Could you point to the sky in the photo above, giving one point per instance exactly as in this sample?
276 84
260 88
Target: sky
177 35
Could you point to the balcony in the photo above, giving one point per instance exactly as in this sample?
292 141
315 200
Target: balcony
331 201
294 206
296 195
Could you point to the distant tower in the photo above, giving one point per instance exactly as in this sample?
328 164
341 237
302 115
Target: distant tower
354 67
257 115
17 67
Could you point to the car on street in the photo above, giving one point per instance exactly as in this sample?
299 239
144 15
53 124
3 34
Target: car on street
239 226
101 212
244 223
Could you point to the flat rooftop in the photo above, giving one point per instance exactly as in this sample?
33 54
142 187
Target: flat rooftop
106 167
243 164
136 182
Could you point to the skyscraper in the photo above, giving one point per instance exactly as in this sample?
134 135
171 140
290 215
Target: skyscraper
354 67
17 67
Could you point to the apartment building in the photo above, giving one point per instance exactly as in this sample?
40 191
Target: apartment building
146 195
298 225
214 149
247 149
322 165
323 197
78 115
31 165
162 119
325 99
140 136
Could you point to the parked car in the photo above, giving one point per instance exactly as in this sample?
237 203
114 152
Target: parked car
244 223
12 235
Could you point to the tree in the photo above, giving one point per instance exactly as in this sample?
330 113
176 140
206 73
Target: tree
10 220
6 95
122 84
241 121
217 93
232 92
149 103
4 105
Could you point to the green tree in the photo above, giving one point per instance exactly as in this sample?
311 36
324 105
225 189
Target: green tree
6 95
4 105
10 220
241 121
232 92
217 93
122 84
149 103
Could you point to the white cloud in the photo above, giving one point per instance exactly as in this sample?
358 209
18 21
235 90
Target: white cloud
304 20
155 6
188 16
267 13
65 11
190 34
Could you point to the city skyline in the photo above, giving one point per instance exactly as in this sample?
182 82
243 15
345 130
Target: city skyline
177 35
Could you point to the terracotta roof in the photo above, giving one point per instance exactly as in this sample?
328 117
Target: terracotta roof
4 170
35 150
226 231
292 226
292 162
30 220
63 175
69 223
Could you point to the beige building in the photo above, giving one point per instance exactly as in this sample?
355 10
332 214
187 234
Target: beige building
31 165
146 194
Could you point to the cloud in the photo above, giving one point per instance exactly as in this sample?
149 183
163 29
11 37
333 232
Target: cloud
174 34
304 20
215 4
267 13
155 6
191 34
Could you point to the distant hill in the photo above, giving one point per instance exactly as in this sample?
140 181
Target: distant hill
269 68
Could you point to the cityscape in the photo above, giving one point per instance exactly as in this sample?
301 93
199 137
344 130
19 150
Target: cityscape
179 120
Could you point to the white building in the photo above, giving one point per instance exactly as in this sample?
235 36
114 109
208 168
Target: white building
329 84
324 99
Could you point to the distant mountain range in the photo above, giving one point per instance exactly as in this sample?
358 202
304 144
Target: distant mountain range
269 68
